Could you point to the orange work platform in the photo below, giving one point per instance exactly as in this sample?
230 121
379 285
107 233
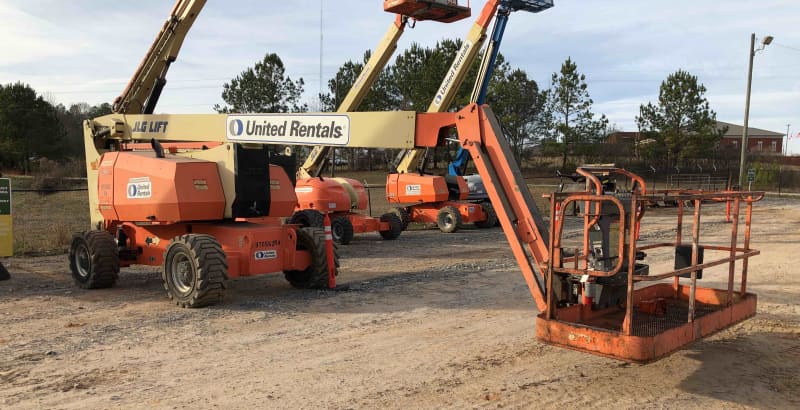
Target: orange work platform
652 334
445 11
650 322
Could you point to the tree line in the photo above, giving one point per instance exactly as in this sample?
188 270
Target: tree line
556 122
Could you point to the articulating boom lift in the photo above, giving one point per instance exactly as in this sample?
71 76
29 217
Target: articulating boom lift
439 199
340 197
205 204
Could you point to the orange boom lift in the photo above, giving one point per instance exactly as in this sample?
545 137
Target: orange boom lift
213 212
343 198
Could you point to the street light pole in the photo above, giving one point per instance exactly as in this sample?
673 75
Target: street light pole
743 157
785 149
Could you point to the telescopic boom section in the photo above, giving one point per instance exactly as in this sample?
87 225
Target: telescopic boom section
479 133
410 159
442 11
315 163
142 92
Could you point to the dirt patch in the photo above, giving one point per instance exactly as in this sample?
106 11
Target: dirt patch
430 320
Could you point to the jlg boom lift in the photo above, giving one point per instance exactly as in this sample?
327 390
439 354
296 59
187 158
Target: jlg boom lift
342 197
438 199
194 211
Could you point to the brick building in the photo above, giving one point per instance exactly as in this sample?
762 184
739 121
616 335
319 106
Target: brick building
759 142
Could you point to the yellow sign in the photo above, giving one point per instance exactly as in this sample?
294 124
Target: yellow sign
6 236
6 231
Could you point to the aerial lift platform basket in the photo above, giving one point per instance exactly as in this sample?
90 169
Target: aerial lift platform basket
588 298
446 11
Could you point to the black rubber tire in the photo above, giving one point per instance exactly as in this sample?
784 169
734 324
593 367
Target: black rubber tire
448 219
195 270
395 226
316 275
342 230
402 213
94 259
307 218
491 216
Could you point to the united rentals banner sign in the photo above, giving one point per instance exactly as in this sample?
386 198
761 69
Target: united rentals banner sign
302 129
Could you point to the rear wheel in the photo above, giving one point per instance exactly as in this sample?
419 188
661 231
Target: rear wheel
395 226
402 213
94 259
491 216
342 230
316 274
195 270
307 218
448 219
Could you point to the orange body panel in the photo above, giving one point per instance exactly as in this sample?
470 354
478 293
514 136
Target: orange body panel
137 186
414 188
250 248
330 194
428 212
445 11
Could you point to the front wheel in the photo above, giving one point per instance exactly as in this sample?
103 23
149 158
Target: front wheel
395 226
448 219
403 214
307 218
94 259
195 270
491 216
315 276
342 230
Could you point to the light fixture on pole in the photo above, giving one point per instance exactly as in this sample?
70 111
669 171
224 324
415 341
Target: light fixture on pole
742 160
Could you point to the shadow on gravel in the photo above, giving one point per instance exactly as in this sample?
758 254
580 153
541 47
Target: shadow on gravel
748 368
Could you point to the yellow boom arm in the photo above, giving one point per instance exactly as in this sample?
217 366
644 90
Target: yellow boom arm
142 92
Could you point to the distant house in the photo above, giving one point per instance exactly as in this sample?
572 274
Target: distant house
759 142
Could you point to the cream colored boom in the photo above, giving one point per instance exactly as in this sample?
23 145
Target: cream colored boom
454 78
313 165
162 53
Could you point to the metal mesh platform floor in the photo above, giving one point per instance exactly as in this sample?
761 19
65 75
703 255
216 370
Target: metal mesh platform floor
646 325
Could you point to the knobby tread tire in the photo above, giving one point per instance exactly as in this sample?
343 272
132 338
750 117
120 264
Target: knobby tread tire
316 275
448 219
342 230
211 267
491 216
402 213
395 226
307 218
103 259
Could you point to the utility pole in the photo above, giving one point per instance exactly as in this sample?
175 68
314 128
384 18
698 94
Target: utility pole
785 147
743 157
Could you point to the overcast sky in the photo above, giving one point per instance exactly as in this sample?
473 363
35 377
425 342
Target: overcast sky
86 50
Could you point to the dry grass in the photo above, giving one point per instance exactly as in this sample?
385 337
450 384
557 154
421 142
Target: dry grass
43 224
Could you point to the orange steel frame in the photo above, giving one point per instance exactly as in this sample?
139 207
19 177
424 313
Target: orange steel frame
609 332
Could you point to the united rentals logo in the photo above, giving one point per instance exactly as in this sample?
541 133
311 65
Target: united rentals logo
451 74
295 129
236 127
